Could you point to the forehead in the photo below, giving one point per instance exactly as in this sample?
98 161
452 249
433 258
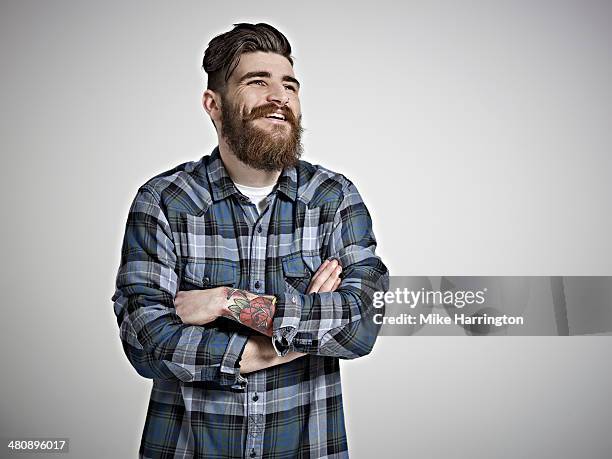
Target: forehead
275 64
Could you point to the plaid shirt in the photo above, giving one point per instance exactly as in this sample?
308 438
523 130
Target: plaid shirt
190 228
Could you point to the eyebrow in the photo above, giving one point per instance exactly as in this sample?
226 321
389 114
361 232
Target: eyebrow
263 74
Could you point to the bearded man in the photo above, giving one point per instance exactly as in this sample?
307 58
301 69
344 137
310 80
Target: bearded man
245 276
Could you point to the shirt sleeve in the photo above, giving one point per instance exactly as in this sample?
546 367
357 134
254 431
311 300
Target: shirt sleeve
157 343
340 323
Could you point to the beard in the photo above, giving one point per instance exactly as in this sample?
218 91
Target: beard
264 149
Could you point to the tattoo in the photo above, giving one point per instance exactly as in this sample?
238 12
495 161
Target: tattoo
254 311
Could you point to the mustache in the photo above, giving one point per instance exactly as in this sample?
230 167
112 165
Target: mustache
264 110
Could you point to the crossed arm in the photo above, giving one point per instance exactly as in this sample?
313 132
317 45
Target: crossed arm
157 324
199 307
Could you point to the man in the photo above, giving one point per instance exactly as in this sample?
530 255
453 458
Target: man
247 275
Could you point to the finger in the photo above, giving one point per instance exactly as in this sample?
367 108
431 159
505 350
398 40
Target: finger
323 275
331 280
312 287
328 270
321 268
337 284
327 267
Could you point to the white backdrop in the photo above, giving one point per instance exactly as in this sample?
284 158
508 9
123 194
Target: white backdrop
478 134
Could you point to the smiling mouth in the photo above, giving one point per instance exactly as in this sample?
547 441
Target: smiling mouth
276 117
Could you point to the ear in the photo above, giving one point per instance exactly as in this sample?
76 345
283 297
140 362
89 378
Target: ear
211 101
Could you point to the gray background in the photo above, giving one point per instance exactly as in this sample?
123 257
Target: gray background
477 132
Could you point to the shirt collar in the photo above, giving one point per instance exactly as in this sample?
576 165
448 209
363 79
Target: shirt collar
287 182
222 186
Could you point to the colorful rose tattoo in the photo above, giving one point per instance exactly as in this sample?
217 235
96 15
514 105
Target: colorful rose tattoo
254 311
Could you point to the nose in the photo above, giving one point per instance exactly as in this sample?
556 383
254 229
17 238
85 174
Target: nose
278 95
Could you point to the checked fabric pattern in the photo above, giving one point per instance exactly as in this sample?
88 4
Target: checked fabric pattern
190 228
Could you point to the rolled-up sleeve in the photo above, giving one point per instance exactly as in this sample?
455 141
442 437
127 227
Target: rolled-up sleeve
339 323
157 343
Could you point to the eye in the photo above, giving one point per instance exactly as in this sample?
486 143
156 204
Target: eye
290 87
257 82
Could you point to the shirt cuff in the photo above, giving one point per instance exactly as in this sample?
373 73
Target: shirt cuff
230 370
286 321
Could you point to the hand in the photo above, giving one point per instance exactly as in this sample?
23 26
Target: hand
199 307
327 277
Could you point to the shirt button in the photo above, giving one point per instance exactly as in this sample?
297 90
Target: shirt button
253 453
259 229
293 299
207 280
255 397
257 285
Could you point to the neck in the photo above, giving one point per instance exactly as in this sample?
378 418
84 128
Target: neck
243 174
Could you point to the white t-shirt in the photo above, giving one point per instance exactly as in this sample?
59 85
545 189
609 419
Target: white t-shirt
257 195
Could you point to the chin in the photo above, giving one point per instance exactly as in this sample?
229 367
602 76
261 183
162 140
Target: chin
277 131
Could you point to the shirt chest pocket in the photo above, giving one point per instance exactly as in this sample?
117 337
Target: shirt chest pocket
209 274
203 264
298 270
303 259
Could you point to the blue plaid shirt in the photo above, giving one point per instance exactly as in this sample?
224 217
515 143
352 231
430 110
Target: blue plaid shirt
190 228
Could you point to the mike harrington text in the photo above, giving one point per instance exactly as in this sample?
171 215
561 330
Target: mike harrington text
439 319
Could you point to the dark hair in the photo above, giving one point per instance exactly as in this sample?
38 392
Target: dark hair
223 53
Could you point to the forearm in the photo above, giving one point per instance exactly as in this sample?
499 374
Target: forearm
159 346
259 354
153 336
337 324
250 309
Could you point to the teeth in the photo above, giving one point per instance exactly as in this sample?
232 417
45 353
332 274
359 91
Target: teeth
276 116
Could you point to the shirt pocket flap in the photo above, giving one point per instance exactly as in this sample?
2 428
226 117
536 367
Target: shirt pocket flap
294 266
193 273
219 273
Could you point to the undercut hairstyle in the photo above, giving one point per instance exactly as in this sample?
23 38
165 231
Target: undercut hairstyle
223 53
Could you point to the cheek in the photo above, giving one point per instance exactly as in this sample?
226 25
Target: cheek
297 108
251 101
242 102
